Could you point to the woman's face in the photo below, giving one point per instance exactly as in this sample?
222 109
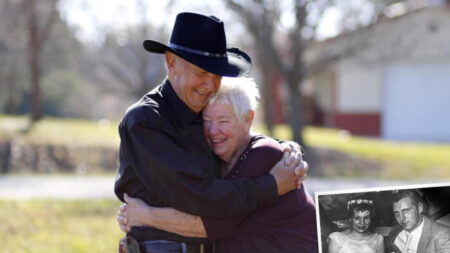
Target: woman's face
360 220
226 135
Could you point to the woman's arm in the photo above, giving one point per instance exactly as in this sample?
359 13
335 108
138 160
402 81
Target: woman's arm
380 245
333 245
137 213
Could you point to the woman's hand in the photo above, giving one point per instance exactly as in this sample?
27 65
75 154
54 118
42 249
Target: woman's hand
133 213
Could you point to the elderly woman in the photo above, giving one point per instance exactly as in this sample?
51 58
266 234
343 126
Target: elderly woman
287 226
358 238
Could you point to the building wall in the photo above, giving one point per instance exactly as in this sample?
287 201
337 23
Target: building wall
367 124
417 101
356 97
324 95
359 87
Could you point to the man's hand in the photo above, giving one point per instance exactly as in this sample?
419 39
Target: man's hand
290 171
292 146
297 152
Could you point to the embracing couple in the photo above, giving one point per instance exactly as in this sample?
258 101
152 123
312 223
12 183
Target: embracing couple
193 177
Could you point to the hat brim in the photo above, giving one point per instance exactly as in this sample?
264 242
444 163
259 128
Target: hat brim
237 63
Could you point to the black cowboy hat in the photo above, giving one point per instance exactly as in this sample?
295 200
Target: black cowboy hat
201 41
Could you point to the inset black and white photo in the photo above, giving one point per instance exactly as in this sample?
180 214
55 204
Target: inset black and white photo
414 219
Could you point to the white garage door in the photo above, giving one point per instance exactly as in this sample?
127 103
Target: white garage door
417 103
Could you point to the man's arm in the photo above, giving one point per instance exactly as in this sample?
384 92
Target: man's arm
175 176
444 238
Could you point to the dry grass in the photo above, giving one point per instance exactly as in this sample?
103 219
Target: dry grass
54 226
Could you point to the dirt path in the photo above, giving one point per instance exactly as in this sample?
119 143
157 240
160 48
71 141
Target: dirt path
60 187
90 187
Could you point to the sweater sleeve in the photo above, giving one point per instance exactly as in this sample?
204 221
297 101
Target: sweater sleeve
260 159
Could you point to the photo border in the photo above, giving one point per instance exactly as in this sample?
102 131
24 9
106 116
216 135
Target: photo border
361 190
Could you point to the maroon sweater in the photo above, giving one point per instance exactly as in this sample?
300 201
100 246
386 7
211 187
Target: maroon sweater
287 226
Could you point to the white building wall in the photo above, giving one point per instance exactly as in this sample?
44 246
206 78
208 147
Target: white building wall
399 68
359 87
417 102
323 91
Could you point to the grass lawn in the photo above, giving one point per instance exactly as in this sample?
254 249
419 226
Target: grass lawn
55 226
399 159
61 131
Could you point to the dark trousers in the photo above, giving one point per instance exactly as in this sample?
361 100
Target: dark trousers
162 246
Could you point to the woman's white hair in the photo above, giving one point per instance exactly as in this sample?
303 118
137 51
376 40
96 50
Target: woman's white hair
241 93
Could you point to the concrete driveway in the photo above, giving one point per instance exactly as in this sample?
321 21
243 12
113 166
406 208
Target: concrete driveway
96 187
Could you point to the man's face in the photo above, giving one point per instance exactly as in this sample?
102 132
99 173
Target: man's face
193 85
408 214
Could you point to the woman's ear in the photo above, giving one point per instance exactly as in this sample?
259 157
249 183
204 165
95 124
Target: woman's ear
249 117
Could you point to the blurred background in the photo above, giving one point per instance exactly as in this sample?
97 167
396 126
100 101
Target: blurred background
363 85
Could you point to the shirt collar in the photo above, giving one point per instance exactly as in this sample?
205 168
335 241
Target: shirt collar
411 239
182 112
417 231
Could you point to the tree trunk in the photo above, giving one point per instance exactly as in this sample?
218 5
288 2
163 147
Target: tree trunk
11 103
33 60
296 112
36 38
267 98
36 107
5 156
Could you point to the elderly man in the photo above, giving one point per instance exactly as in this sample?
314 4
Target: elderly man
164 157
418 233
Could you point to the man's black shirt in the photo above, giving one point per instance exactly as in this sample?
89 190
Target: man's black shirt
165 160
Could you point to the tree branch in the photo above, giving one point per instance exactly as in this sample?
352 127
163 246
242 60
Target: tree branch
44 33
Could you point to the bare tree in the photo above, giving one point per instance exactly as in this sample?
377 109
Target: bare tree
277 54
281 49
124 66
40 19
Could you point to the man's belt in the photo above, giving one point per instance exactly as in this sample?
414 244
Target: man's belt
157 246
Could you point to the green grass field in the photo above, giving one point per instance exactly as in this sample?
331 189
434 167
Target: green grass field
80 226
407 159
55 226
399 159
61 131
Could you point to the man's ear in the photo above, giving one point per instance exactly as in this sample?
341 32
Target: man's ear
170 61
420 207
